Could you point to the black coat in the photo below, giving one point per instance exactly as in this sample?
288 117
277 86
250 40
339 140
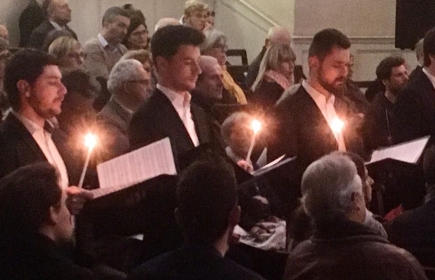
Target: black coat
32 16
39 34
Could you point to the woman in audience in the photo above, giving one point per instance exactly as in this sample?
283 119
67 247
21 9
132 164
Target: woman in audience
274 77
53 35
215 45
68 52
137 34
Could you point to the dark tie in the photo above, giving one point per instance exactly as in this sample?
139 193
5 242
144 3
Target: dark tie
48 127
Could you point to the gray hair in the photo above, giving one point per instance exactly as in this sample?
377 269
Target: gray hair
111 13
278 35
123 71
238 118
213 37
327 186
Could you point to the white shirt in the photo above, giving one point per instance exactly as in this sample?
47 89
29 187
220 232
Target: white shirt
56 25
46 144
326 106
102 40
181 103
429 76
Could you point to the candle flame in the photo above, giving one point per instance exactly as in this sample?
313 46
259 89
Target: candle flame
90 140
256 126
337 125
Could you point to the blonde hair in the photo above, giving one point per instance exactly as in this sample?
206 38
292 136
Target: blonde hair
194 5
272 59
61 46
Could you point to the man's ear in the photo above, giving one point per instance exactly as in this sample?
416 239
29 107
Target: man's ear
235 216
385 82
161 64
53 218
23 87
313 62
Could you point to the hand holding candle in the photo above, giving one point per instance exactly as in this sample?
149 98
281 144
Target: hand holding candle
90 142
255 126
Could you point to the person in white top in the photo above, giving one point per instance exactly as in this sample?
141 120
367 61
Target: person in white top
35 93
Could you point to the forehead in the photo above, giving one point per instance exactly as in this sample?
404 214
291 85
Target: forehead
50 71
338 55
59 2
121 19
398 69
187 52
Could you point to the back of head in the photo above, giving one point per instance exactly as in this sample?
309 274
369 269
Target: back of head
142 56
167 40
213 38
111 13
384 69
124 71
165 22
26 196
61 46
324 41
327 186
78 82
429 46
206 195
34 62
278 35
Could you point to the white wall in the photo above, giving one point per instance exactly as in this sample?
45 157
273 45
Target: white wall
10 11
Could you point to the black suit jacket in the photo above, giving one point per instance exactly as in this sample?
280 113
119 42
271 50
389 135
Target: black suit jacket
414 110
32 16
157 119
304 132
39 34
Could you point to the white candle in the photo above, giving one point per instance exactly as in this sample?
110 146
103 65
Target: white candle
90 142
256 126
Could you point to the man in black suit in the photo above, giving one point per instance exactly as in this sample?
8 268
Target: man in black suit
415 106
35 93
32 16
58 16
314 121
169 111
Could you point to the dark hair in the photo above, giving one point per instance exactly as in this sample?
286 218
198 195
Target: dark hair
28 65
206 194
133 11
167 40
325 40
78 81
135 22
429 46
113 12
26 196
383 71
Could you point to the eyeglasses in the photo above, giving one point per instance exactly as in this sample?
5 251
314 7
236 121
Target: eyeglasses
139 33
77 55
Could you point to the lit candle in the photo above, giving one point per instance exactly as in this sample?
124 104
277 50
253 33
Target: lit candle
256 126
90 142
337 127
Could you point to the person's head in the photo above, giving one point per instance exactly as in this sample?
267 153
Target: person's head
143 56
4 32
175 55
215 45
419 54
115 24
165 22
279 58
237 133
195 14
32 202
133 12
328 59
209 83
129 83
59 11
207 201
36 88
393 74
137 34
278 35
69 53
332 191
53 35
211 19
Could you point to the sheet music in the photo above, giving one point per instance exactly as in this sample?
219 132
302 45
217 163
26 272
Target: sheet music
135 167
408 152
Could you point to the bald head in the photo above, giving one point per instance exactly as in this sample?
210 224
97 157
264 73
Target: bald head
209 83
165 22
278 35
4 32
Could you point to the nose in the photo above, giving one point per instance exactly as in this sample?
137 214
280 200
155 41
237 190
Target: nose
62 89
197 68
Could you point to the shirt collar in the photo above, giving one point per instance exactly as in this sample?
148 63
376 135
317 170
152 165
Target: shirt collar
56 25
429 76
30 125
174 97
316 95
127 110
103 42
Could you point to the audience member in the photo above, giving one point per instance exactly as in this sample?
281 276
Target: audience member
169 111
415 106
207 213
419 54
104 51
165 22
143 56
35 93
53 35
134 12
130 86
69 54
58 16
307 119
35 223
277 35
393 75
137 34
32 16
342 247
4 32
195 15
274 77
215 45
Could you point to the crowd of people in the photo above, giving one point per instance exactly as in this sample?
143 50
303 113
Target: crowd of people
320 212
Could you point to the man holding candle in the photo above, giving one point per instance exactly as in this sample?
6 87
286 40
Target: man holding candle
35 91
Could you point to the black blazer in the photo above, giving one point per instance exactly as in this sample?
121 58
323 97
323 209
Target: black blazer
39 34
414 110
157 119
32 16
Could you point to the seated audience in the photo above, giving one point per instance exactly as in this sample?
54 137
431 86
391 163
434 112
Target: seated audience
274 77
35 223
68 52
207 212
277 35
195 15
165 22
105 50
143 56
130 86
58 16
31 17
4 32
342 247
137 34
215 45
